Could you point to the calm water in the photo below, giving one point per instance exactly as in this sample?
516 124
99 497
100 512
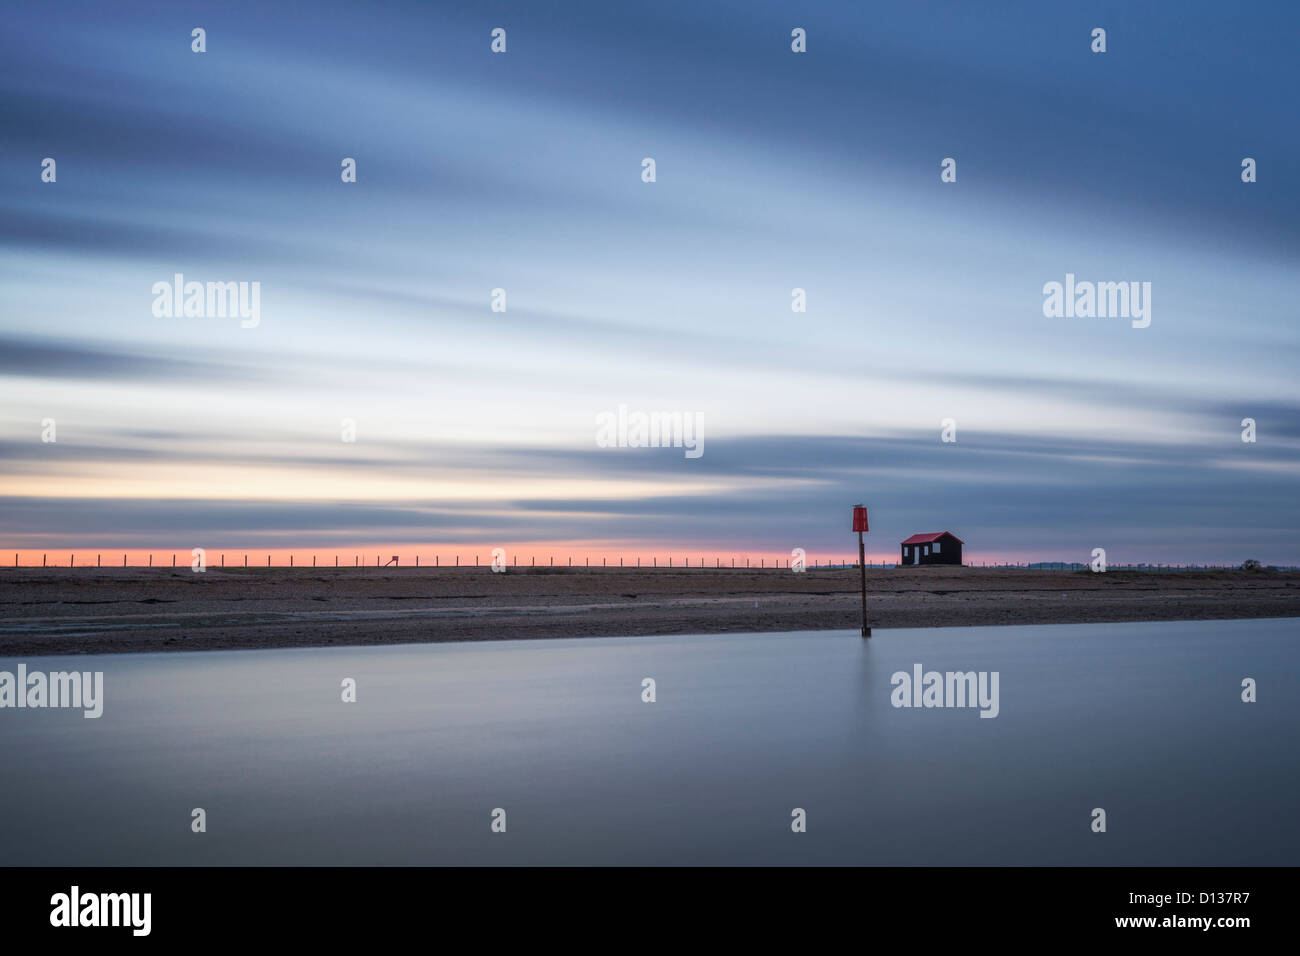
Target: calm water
1144 720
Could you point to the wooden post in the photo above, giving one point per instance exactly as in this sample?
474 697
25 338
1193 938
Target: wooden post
860 526
862 563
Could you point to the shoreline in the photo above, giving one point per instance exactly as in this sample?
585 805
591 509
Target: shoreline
139 610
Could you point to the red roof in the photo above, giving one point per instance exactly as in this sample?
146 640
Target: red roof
928 538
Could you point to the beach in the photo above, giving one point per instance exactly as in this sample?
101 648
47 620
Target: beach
134 610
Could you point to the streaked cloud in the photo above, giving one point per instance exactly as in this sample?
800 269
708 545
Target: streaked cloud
775 171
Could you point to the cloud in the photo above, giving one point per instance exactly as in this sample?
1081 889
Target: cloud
1000 492
30 357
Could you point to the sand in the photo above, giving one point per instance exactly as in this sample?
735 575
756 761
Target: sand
90 610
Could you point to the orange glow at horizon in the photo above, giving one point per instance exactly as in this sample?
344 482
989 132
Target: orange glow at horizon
529 554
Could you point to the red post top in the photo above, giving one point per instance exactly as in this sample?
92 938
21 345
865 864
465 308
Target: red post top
860 518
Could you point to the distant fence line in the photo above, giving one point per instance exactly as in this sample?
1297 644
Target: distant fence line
701 562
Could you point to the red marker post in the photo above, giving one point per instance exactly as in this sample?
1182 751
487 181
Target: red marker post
860 526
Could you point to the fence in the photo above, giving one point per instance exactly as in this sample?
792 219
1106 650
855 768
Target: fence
241 560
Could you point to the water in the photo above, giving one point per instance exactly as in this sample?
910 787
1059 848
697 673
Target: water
1143 720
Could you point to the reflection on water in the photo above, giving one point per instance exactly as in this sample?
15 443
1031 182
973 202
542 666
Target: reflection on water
1144 720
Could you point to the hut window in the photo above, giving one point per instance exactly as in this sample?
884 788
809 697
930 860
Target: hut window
936 547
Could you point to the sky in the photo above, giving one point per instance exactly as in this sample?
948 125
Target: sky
774 171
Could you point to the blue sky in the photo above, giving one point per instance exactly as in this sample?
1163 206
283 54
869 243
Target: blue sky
775 170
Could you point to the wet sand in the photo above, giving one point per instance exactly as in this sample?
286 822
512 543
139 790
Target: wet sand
91 610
